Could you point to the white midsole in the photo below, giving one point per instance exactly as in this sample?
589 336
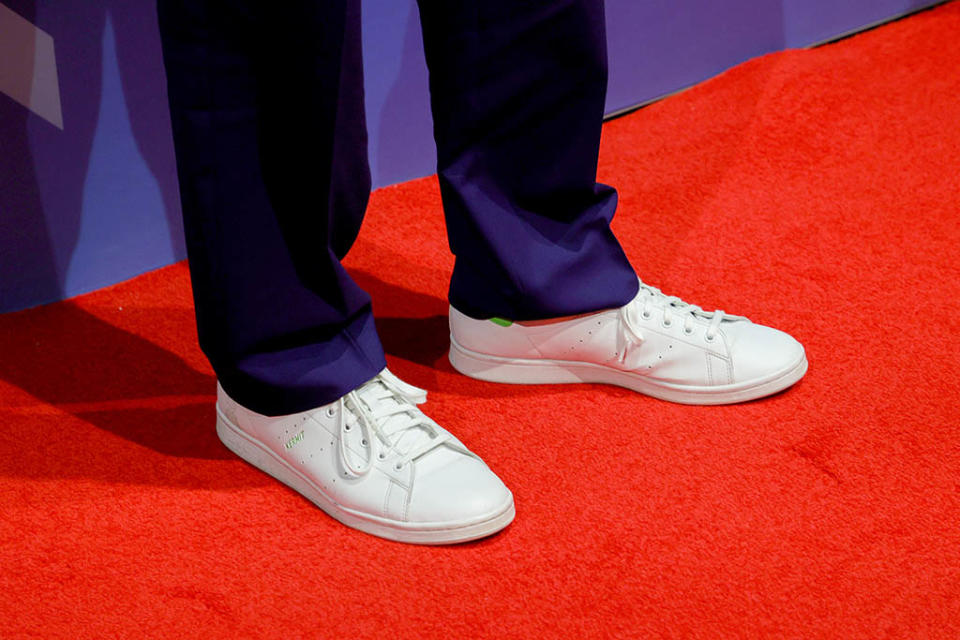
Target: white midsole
527 371
261 457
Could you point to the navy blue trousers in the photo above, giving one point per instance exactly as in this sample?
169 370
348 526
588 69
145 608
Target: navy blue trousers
268 121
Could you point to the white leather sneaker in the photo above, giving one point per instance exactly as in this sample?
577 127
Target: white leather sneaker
658 345
375 462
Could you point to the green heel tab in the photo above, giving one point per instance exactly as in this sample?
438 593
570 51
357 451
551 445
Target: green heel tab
501 321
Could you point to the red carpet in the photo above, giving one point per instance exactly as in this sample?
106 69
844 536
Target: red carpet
816 191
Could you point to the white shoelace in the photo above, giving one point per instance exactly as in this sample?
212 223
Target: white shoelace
385 410
650 299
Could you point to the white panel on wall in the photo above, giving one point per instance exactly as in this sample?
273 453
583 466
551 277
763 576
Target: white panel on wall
28 67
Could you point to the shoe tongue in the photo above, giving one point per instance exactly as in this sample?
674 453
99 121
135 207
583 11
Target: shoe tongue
675 303
376 394
400 429
680 306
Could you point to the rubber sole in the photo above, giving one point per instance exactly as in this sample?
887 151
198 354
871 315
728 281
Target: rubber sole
261 457
523 371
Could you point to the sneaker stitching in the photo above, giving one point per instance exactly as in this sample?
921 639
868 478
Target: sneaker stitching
727 356
386 499
407 500
536 349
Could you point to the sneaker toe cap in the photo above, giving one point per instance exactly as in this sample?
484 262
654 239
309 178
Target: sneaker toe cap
462 491
759 352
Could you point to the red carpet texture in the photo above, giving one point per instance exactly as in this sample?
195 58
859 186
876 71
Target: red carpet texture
816 191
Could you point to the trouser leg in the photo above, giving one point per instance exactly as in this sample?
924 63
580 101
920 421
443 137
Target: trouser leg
517 90
267 111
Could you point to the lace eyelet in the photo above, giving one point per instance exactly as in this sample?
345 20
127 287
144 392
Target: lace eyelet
331 412
645 315
398 466
709 338
687 331
667 324
381 456
347 427
363 442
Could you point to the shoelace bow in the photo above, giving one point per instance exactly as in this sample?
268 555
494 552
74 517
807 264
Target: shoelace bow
385 410
649 299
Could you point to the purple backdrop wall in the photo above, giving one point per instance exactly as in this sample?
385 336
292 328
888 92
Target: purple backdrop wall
95 202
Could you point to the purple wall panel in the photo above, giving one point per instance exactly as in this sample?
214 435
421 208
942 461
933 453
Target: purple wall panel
96 202
395 79
658 46
809 21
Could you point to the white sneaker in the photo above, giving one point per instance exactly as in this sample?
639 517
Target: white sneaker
375 462
656 344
